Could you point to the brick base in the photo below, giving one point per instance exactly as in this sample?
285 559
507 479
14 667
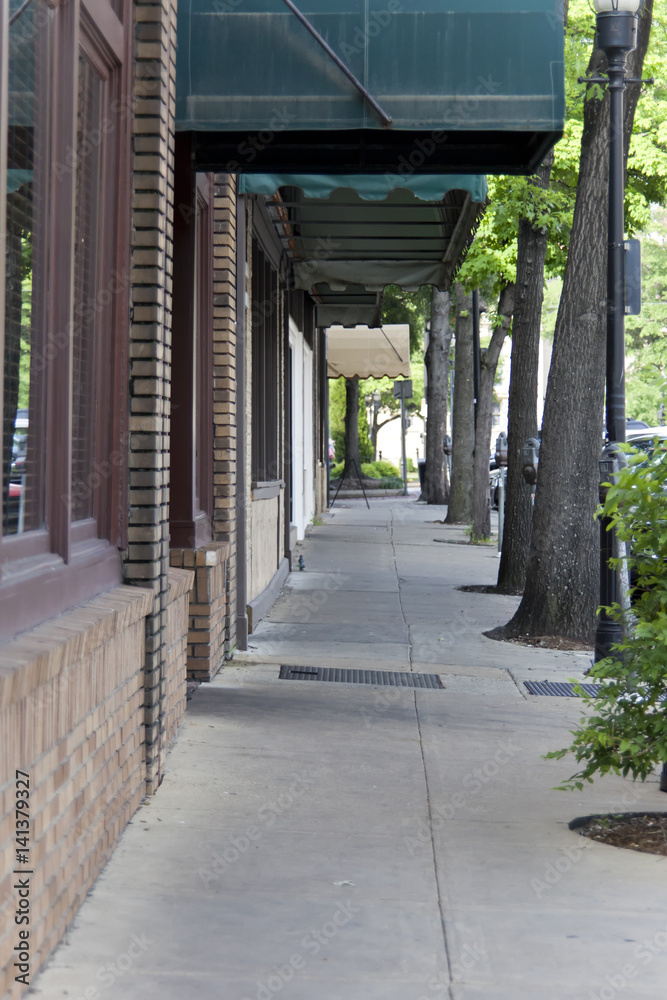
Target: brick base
72 717
206 616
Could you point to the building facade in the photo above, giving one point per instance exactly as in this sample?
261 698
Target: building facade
163 397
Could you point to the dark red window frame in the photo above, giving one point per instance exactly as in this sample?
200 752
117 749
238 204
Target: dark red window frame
47 571
191 438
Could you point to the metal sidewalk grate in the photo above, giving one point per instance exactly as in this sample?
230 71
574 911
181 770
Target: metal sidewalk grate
387 678
559 689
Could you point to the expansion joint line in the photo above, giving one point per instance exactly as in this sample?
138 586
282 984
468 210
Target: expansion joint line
429 806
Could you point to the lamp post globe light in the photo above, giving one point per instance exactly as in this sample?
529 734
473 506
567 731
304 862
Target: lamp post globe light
617 24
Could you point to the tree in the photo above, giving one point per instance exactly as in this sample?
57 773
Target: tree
397 307
437 367
463 421
352 459
522 410
337 408
562 577
481 517
408 307
389 407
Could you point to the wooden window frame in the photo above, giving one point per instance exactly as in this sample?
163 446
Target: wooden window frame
266 334
50 570
204 350
191 439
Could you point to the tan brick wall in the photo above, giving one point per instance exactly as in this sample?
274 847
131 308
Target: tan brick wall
174 680
224 385
147 557
72 717
207 607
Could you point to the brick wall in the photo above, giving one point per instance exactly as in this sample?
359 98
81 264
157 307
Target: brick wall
72 717
174 679
207 610
224 385
147 557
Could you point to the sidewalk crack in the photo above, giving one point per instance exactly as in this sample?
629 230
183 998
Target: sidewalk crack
423 762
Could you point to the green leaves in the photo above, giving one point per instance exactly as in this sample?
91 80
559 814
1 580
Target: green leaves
626 732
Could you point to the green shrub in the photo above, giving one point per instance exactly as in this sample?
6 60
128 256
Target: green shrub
380 470
627 732
337 470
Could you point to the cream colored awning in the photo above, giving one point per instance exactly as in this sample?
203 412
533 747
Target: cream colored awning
368 351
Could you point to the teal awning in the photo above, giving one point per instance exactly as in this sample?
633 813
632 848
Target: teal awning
470 86
425 187
347 246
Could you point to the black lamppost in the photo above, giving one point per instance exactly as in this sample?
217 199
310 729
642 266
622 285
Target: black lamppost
617 24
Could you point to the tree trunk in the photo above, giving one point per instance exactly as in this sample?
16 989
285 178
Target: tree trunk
562 579
522 411
463 417
481 520
374 433
352 428
436 360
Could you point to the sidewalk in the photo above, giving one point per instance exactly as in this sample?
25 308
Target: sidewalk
326 841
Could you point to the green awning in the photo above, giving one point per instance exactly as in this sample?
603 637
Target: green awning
345 248
470 86
425 187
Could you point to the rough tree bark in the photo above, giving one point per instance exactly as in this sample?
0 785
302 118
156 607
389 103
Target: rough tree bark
522 410
562 579
463 417
481 514
352 428
436 360
376 427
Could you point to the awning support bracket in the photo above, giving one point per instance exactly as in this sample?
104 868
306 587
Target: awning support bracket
382 115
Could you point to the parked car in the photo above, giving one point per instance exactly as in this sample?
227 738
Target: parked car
645 437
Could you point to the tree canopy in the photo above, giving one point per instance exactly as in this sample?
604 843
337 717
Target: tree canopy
491 260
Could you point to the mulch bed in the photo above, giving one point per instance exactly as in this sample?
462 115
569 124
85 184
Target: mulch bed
542 641
645 832
477 588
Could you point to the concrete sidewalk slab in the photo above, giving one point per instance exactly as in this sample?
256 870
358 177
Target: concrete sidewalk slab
397 844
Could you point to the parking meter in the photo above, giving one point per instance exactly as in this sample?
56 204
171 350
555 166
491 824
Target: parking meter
501 449
530 459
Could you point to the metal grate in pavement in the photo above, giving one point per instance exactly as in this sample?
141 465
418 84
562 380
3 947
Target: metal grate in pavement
559 689
387 678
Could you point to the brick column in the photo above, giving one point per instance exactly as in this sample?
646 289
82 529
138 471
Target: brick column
147 557
224 383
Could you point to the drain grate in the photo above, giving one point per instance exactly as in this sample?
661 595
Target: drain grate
387 678
559 689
